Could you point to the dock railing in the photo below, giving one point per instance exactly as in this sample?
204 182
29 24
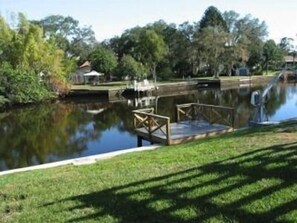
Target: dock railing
151 123
210 113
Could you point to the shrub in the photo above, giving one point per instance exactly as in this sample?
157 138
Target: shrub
21 86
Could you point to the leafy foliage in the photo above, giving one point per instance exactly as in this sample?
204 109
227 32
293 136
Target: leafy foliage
188 49
22 86
103 60
212 18
213 47
28 62
272 55
129 67
74 40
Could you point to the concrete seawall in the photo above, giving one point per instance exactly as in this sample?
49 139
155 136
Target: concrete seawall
80 161
176 87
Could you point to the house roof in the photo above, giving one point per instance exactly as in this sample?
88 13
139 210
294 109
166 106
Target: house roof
289 59
93 73
85 64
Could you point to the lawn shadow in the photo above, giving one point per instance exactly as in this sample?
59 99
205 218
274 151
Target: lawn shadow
244 188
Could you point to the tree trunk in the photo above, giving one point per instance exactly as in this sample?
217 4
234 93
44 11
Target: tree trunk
155 75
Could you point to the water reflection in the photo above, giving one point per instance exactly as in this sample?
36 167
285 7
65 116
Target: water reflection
76 128
280 105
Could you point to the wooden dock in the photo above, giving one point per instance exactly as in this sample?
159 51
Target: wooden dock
139 88
193 121
207 83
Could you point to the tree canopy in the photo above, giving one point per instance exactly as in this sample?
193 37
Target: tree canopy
103 60
51 48
74 40
212 18
129 67
31 66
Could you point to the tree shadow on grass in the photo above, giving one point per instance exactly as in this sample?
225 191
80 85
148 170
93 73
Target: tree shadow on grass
253 187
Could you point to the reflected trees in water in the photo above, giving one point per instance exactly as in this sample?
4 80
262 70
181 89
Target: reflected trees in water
51 132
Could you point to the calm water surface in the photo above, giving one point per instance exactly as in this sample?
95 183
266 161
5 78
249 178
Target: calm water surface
76 128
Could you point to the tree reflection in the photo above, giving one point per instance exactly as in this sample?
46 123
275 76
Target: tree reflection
278 96
51 132
37 135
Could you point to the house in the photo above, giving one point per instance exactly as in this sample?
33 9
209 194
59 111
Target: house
243 71
78 76
290 61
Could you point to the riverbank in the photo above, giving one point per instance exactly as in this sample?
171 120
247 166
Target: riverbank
115 89
245 176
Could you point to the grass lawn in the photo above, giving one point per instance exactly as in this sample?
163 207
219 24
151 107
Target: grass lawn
246 176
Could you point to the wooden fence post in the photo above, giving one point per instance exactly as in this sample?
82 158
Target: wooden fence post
168 132
177 113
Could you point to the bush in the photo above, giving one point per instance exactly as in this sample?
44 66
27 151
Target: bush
21 86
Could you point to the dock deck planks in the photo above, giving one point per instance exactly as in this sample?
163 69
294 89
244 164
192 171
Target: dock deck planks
184 131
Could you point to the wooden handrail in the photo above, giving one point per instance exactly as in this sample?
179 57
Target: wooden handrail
146 110
152 123
210 113
204 105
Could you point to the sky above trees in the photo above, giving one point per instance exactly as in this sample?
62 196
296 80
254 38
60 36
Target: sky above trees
112 17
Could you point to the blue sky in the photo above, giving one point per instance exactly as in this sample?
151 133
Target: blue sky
111 17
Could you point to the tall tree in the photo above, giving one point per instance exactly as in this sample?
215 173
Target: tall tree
237 43
68 35
103 60
6 35
246 39
286 44
272 55
26 60
212 42
151 49
129 67
212 18
178 59
255 32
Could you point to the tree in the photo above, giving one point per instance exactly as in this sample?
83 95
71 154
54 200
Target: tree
236 50
69 36
21 86
246 40
127 43
212 18
272 55
288 48
151 49
6 35
254 32
30 51
129 67
103 60
212 42
31 66
286 44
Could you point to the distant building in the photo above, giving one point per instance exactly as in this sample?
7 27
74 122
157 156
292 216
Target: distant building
78 76
290 61
243 71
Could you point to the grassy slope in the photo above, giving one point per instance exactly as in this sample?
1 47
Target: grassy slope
242 177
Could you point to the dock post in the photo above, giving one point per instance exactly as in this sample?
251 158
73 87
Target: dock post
139 141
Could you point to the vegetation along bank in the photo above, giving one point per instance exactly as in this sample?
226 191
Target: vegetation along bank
39 58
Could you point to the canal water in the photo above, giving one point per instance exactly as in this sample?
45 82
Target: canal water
88 126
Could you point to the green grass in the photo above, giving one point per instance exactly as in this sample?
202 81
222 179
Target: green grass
246 176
